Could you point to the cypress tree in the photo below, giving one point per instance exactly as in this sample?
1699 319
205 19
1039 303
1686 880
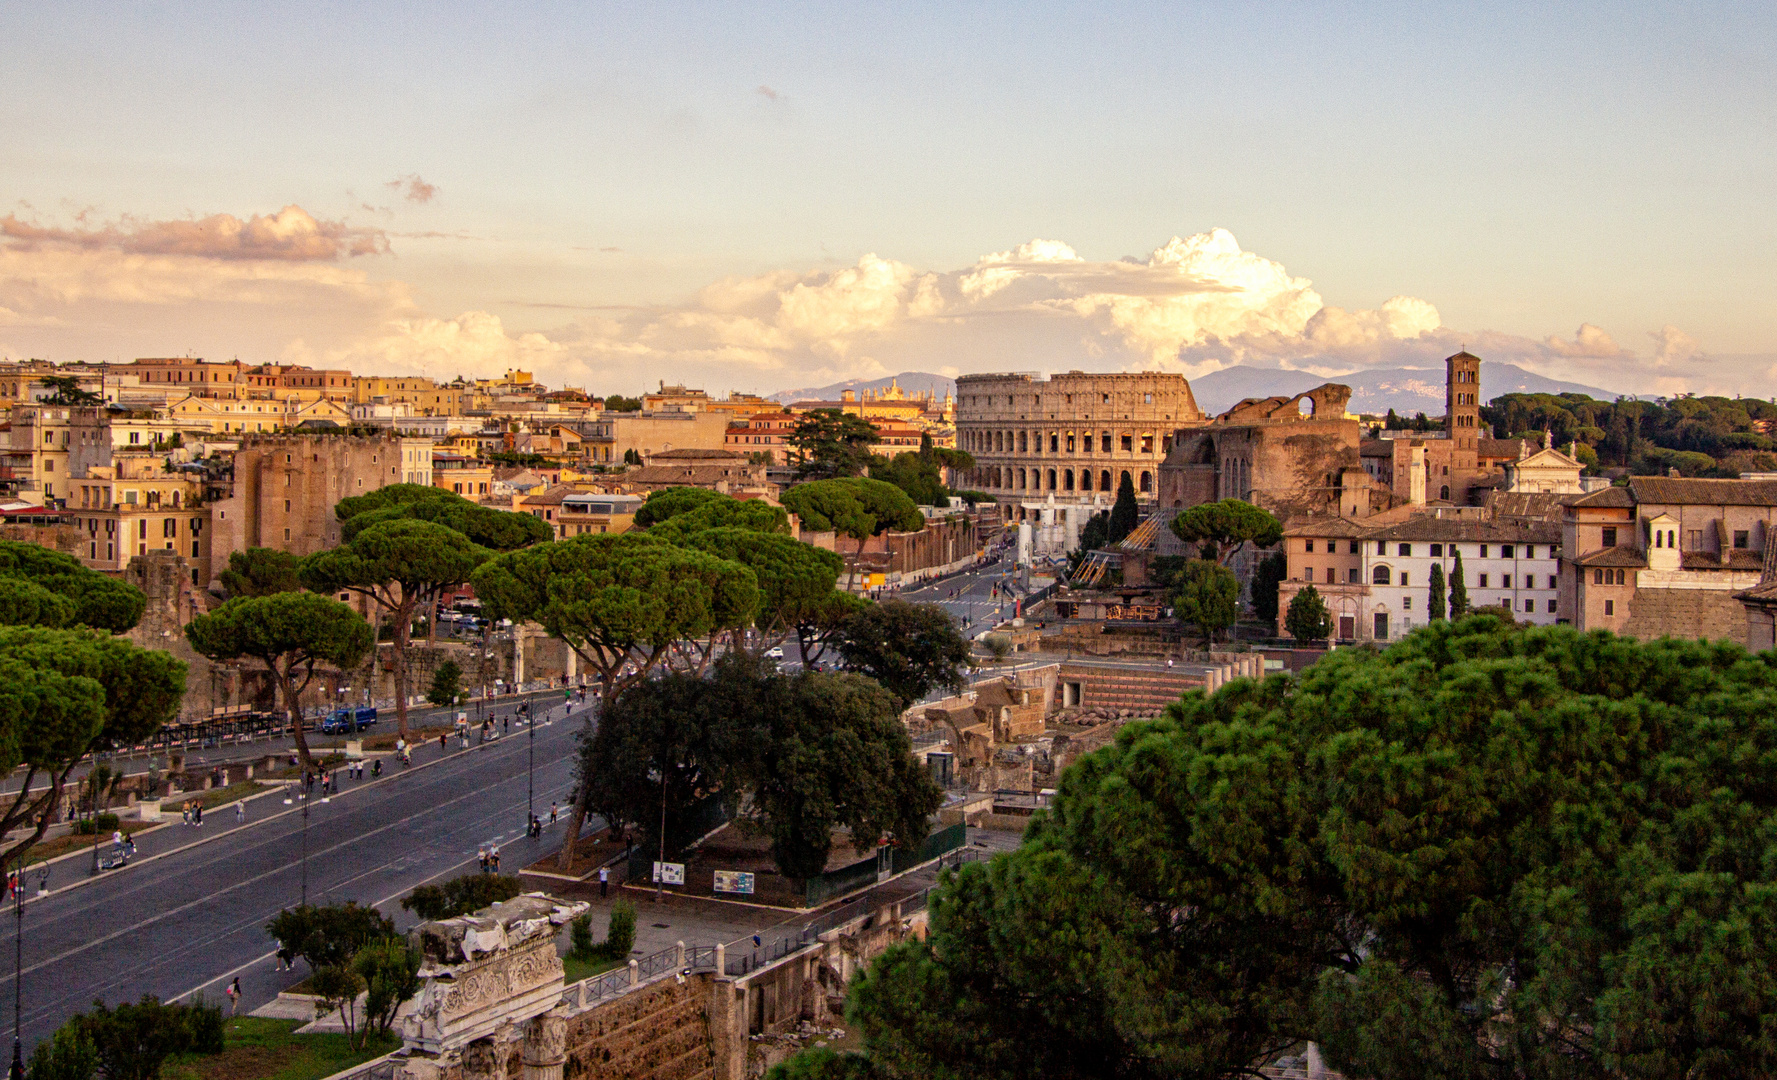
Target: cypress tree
1124 515
1458 590
1436 604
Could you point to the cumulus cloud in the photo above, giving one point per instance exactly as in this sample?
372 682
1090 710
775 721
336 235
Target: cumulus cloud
279 286
412 188
290 235
1590 342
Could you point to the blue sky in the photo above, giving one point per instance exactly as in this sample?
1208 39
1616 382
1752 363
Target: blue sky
630 192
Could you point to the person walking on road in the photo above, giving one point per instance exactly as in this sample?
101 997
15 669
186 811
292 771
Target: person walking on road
234 996
604 882
197 814
240 811
129 847
553 811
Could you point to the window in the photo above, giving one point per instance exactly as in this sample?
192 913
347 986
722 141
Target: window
1552 584
1380 576
1530 605
1382 625
1554 552
1610 607
1404 549
1437 551
1128 443
1693 539
1505 581
1741 539
1381 547
1609 536
1403 579
1551 607
1597 577
1622 577
1483 551
1054 442
1308 573
1354 547
1355 576
1406 603
1481 581
1308 545
1507 551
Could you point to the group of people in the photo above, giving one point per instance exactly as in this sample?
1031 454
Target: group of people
192 812
490 859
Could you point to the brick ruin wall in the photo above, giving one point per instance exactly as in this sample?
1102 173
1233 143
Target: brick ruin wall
1685 613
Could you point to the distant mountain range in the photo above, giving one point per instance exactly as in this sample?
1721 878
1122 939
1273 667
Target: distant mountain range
1405 390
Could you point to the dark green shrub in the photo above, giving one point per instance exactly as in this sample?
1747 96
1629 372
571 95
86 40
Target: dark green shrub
580 931
621 937
461 896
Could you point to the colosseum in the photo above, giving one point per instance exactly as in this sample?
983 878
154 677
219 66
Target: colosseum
1071 436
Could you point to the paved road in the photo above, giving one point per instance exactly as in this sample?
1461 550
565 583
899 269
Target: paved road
417 717
969 596
194 918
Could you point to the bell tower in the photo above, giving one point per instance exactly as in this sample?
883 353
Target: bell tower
1462 400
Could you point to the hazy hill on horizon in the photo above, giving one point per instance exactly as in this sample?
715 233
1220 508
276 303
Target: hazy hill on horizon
1376 390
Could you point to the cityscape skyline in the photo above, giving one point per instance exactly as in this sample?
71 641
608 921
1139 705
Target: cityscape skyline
796 197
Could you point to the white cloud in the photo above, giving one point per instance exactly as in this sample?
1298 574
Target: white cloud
276 286
292 234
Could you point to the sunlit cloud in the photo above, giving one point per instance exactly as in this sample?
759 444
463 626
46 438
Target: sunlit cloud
290 235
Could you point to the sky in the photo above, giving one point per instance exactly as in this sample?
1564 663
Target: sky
771 196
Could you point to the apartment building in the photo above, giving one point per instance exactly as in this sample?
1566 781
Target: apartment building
138 505
1665 556
1375 578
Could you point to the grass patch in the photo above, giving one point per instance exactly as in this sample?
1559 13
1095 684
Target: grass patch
574 970
214 797
256 1048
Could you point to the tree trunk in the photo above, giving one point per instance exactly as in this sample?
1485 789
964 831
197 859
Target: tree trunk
398 656
287 687
577 813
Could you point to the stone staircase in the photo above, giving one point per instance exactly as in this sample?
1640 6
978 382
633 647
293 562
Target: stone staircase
1140 691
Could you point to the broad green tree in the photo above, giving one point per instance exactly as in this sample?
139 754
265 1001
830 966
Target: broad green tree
485 526
797 581
1207 596
463 895
1458 589
621 602
65 694
1484 852
728 513
839 756
1125 514
911 649
101 602
390 968
399 565
290 633
1308 618
830 443
665 504
1435 605
1227 526
261 572
919 475
854 507
134 1041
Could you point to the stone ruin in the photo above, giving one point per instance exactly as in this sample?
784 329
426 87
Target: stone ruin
490 999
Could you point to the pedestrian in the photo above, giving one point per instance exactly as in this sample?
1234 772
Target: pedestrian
553 811
604 882
494 858
286 960
185 813
376 768
129 847
482 856
117 841
506 724
441 742
234 996
197 814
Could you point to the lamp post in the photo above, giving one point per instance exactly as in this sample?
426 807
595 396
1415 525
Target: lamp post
302 793
530 790
18 976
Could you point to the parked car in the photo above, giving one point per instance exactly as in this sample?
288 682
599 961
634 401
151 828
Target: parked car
776 652
348 720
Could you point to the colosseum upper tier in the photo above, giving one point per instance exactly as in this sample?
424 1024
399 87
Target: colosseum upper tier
1075 435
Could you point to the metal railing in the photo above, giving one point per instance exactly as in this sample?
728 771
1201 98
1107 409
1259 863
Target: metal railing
665 962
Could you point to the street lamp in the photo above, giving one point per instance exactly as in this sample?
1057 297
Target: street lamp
530 791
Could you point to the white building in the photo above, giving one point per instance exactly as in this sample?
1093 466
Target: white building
1376 579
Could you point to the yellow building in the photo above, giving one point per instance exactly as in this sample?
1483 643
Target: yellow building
136 506
256 414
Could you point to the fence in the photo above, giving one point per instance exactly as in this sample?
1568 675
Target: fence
587 991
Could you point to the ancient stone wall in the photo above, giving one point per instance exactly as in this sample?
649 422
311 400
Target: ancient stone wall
660 1032
1685 613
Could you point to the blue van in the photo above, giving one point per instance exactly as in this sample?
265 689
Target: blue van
348 720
